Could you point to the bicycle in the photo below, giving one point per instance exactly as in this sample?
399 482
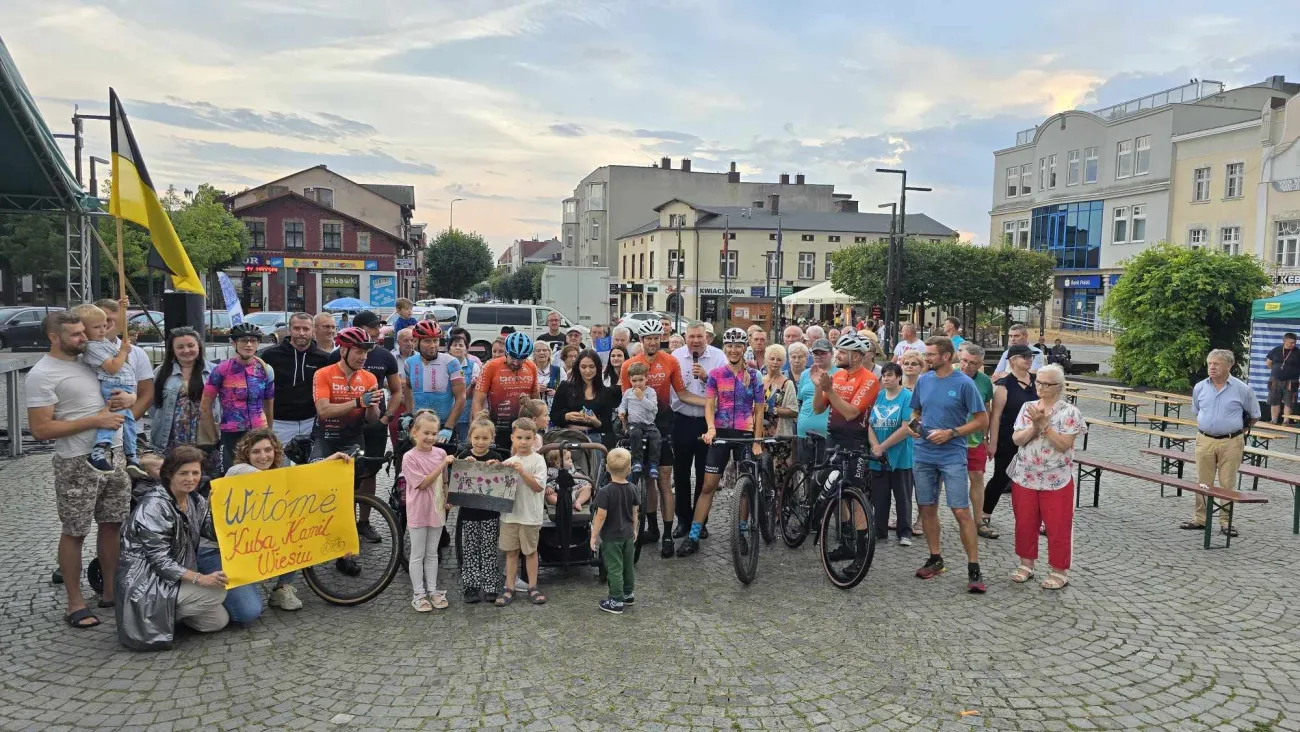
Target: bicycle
751 491
845 531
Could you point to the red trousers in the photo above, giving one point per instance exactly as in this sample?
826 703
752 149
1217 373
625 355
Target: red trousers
1052 509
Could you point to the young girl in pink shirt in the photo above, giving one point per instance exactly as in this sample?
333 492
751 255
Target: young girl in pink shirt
425 470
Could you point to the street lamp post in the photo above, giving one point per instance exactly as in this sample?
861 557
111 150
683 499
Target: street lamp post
451 214
678 290
894 283
889 266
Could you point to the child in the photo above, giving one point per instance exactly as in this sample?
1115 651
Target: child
479 571
520 527
581 484
426 509
109 362
539 413
638 410
615 525
404 317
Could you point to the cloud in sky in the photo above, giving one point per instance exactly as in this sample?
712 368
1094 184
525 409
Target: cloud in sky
509 103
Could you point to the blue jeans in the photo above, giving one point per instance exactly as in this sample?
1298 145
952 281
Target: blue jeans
955 482
244 603
105 437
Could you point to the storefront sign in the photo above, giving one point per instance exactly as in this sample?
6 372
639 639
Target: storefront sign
757 291
1290 279
383 291
260 268
785 291
1114 279
731 290
404 263
1287 185
356 264
252 261
333 280
1081 282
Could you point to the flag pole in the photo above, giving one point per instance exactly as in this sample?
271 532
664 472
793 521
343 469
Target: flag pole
121 276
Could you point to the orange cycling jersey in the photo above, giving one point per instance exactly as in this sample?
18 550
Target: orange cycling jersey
502 387
664 375
858 389
331 383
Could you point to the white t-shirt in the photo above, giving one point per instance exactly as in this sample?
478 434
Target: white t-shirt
72 388
138 360
529 505
902 347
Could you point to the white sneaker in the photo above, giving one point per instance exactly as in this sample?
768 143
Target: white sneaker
285 598
905 541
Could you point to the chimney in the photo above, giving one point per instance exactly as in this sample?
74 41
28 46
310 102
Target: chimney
774 203
846 206
798 179
785 179
686 165
666 163
732 175
1277 82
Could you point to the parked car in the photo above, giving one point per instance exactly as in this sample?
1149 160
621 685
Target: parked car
268 321
484 322
634 319
446 316
444 301
140 318
20 327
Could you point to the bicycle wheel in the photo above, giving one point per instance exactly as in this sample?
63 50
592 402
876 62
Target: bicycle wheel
642 523
744 529
848 542
336 583
795 503
767 510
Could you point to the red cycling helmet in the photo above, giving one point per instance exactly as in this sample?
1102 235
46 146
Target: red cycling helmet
354 338
426 329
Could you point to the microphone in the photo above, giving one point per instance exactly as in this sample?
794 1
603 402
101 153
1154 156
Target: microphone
695 359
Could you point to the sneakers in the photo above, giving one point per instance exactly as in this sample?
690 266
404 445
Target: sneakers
841 554
367 532
348 566
932 568
610 605
630 599
651 530
134 470
689 546
681 530
976 584
905 541
100 458
472 596
666 547
285 598
704 532
438 601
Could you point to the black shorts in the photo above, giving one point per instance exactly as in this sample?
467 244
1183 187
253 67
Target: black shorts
664 421
719 455
323 447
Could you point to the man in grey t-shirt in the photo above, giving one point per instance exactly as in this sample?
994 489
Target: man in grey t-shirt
64 404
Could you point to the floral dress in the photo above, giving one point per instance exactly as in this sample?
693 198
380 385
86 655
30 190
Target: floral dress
785 396
1039 466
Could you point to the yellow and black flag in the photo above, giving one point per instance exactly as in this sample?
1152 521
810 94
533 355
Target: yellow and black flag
135 199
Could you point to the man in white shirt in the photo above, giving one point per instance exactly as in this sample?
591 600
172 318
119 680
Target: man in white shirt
1018 335
907 341
696 359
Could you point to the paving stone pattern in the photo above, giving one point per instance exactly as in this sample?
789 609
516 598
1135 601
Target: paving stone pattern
1153 633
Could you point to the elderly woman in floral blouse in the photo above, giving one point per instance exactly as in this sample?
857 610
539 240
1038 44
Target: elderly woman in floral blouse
1042 477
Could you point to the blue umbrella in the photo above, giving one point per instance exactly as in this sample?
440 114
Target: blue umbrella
350 304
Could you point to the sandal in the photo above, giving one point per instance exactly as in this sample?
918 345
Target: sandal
421 604
1023 574
986 531
505 598
1055 581
537 597
76 617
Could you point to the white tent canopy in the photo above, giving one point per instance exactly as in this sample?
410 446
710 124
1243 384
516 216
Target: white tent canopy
820 294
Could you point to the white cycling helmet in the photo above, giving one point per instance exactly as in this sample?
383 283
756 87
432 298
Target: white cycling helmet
735 335
650 328
851 341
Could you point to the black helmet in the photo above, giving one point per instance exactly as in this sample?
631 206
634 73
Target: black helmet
245 330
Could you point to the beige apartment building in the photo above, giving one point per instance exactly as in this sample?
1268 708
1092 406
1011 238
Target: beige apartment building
687 238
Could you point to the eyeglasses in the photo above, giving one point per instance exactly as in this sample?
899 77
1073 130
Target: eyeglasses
1048 383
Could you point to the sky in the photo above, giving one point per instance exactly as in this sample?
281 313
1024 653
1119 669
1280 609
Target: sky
509 104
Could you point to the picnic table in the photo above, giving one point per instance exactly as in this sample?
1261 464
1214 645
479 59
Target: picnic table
1166 439
1172 459
1258 437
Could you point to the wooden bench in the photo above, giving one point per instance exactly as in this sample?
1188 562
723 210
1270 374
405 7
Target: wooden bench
1174 460
1259 457
1125 407
1166 439
1261 438
1290 480
1217 499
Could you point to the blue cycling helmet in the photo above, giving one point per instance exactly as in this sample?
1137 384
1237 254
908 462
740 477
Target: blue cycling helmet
519 345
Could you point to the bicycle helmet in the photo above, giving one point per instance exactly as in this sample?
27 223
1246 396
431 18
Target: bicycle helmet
245 330
519 345
426 329
354 337
650 328
851 341
735 335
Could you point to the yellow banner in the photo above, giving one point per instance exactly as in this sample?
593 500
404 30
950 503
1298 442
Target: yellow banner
300 263
276 521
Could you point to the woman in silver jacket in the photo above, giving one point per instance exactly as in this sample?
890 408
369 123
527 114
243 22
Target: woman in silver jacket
157 579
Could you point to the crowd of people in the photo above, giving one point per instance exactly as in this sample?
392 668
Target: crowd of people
927 415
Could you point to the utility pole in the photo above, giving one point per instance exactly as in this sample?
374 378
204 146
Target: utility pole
451 214
678 291
776 275
726 266
894 282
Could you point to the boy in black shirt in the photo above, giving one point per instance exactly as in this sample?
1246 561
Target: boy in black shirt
615 527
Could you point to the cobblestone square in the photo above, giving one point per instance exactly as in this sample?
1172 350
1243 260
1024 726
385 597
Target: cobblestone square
1153 633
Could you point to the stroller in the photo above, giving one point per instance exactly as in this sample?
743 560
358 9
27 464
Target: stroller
565 538
639 481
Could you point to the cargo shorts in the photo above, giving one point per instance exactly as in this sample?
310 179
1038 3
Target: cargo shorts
87 496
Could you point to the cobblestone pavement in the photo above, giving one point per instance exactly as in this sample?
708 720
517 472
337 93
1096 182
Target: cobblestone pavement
1154 633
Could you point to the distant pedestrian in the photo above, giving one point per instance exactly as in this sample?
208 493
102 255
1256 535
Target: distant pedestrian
907 341
1283 363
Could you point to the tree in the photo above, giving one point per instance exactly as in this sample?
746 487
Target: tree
34 244
456 260
1173 306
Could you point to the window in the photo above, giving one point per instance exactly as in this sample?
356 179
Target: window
771 237
1236 179
1138 230
1090 165
1071 234
805 237
257 230
624 266
331 237
859 240
1197 238
1230 239
1288 243
363 241
1013 181
1120 234
1009 233
652 264
773 266
595 230
595 260
833 239
1026 179
1024 234
1142 162
1201 184
643 264
807 265
571 212
293 234
1124 159
676 266
731 236
323 196
727 264
596 197
1042 174
1051 171
830 266
1072 168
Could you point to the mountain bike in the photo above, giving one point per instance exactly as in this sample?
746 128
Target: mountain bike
752 491
841 510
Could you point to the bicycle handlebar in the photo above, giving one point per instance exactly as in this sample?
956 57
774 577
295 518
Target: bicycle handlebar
584 446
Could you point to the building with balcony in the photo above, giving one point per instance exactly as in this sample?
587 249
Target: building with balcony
1092 189
617 198
687 239
530 251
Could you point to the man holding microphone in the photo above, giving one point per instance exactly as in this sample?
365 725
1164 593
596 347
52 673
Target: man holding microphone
696 359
